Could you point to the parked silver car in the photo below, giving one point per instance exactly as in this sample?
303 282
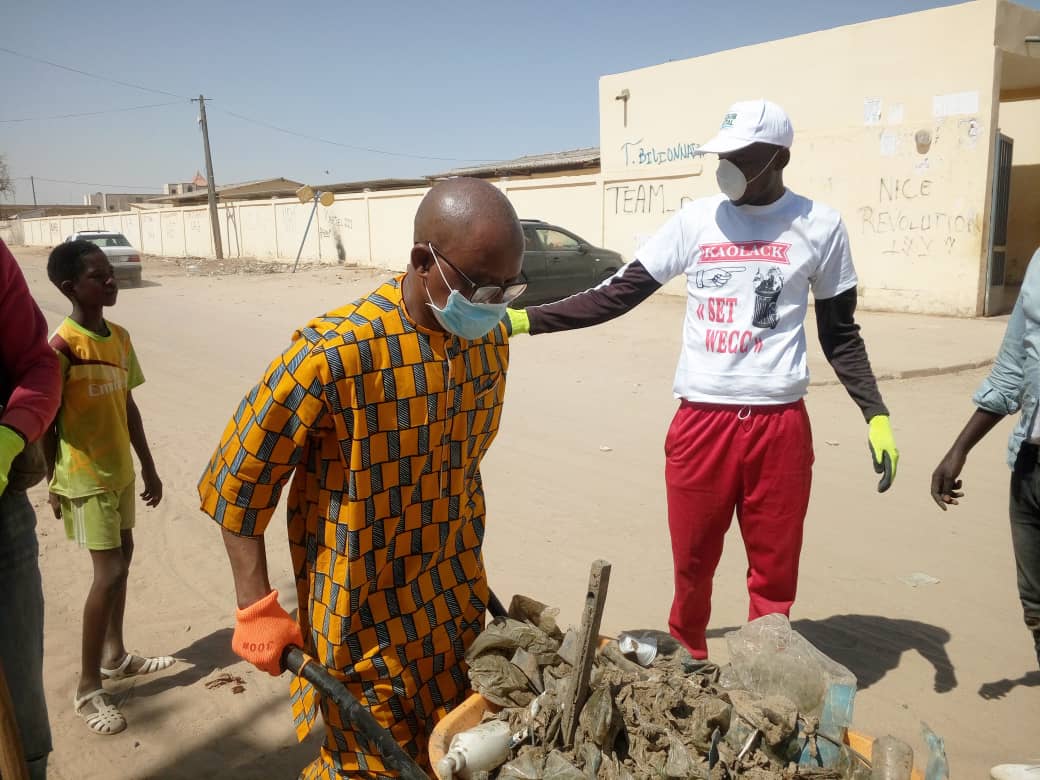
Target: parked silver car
125 260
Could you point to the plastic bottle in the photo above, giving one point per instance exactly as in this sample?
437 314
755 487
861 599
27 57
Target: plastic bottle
480 749
891 759
938 768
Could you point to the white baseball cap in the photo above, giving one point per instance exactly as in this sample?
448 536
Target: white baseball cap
751 122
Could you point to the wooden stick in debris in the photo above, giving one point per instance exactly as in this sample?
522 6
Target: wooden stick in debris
588 641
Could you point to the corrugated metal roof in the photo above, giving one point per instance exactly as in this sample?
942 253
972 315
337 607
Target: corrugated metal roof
532 163
372 184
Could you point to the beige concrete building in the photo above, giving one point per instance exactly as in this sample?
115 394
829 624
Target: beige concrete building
897 123
922 129
116 201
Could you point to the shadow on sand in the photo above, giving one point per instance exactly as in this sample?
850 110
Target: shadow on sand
871 645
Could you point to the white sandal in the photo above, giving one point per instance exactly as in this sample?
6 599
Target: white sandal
105 718
150 665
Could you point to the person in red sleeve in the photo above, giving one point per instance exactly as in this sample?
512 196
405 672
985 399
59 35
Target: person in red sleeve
30 391
740 441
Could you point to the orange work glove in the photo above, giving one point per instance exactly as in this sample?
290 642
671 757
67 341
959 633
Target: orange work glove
262 632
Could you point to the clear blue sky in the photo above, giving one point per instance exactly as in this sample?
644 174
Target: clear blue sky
467 80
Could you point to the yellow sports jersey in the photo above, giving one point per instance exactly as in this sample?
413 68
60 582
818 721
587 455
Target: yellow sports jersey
98 372
384 425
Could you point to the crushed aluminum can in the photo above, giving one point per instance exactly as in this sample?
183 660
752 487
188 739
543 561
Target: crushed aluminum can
644 649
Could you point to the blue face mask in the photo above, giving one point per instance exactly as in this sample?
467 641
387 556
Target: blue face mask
461 316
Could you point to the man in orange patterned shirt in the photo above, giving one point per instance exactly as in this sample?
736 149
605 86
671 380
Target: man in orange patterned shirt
382 411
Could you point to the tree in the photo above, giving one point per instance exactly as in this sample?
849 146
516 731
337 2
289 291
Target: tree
6 185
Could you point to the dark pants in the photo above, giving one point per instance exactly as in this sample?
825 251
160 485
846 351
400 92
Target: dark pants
21 619
1025 534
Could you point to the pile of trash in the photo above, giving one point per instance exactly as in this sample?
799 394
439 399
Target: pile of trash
778 710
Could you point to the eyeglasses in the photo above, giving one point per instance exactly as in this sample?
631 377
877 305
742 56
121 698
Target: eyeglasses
486 293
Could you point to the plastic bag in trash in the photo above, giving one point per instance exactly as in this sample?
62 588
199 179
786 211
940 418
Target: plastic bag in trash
600 721
529 766
506 635
498 681
769 658
533 764
528 610
680 764
559 768
774 716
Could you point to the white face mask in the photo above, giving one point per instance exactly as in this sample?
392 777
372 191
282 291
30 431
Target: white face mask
732 181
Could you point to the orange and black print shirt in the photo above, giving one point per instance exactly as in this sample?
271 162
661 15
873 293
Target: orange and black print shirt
384 426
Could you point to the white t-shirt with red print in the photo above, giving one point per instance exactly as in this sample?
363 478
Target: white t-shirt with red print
749 270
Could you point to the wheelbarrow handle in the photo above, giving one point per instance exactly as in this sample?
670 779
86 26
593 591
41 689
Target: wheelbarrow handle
495 606
299 663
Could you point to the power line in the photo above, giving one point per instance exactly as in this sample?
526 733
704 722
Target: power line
90 183
261 123
92 113
269 126
91 75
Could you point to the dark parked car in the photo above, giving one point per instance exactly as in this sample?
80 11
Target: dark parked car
559 263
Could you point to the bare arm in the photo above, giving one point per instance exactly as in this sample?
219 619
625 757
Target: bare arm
248 558
946 483
998 396
153 488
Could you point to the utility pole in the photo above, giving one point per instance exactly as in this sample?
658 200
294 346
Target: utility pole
218 248
32 181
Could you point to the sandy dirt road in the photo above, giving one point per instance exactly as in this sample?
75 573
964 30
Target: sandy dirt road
954 654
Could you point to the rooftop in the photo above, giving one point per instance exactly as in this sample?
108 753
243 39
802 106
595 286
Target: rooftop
532 163
261 188
372 184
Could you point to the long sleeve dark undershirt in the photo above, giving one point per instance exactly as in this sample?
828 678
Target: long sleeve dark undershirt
835 320
621 293
845 351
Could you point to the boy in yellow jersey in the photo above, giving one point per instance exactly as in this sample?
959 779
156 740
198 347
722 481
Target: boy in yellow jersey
92 470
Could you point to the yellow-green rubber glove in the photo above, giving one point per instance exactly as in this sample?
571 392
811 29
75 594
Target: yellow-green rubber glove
10 445
883 450
518 321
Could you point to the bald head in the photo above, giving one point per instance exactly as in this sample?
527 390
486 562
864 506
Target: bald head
468 211
477 241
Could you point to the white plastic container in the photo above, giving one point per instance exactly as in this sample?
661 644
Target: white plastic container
480 749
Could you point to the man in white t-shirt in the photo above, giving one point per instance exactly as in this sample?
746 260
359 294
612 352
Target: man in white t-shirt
741 439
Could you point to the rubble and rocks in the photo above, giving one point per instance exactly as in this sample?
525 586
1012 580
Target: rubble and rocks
672 719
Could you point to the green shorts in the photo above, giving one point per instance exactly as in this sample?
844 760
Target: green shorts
95 522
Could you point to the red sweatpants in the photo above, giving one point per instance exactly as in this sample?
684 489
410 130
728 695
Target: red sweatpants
756 460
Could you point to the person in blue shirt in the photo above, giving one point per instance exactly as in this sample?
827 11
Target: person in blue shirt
1012 386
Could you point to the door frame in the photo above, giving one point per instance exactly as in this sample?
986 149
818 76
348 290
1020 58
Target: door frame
1000 196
